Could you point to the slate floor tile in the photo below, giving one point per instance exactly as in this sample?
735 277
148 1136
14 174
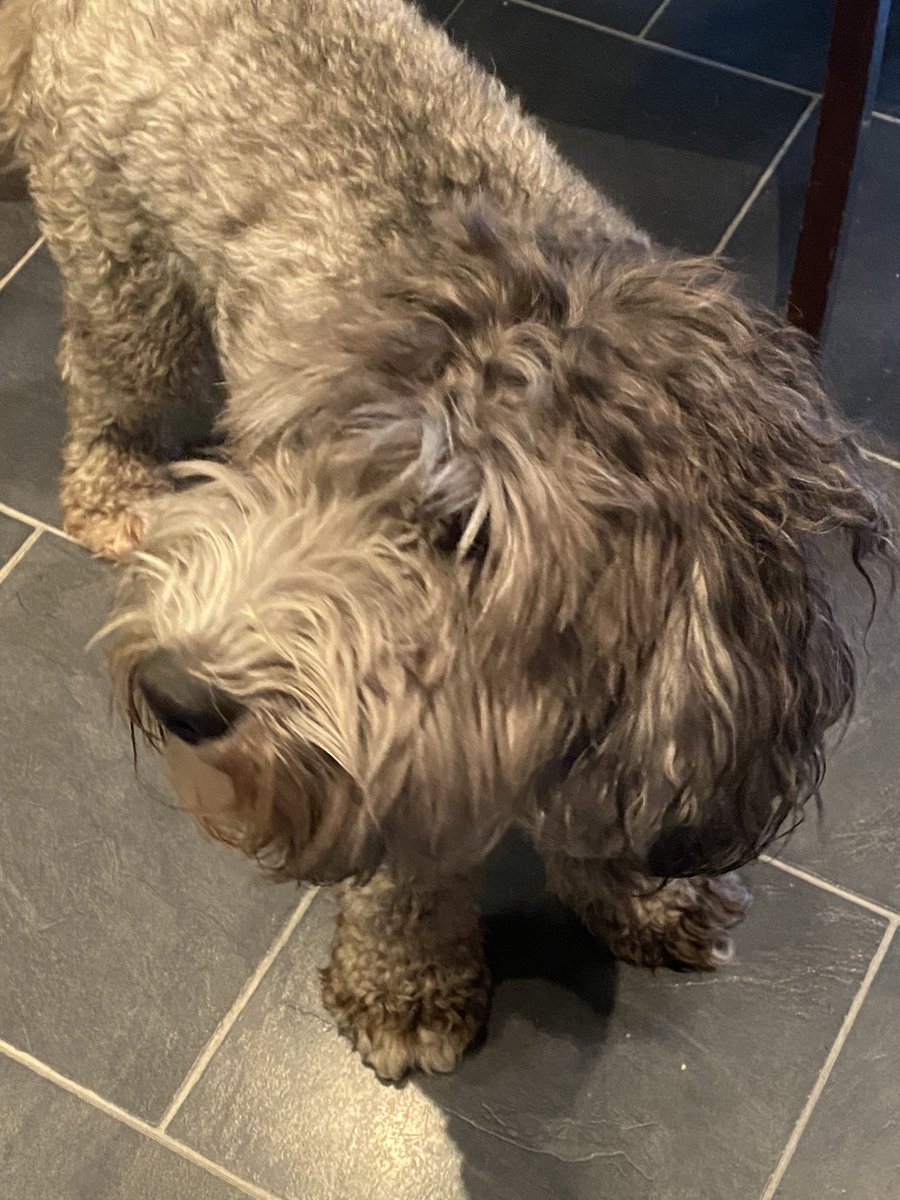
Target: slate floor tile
630 16
32 418
862 351
783 41
124 935
53 1146
851 1148
595 1080
18 224
437 10
12 535
888 99
764 245
681 145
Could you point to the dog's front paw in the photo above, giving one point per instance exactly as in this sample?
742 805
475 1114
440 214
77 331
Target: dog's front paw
687 923
107 535
432 1045
426 1024
103 495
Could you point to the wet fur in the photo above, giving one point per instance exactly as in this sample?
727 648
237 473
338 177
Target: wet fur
521 517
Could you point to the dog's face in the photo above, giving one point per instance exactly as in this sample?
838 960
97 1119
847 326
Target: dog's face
530 526
310 662
277 639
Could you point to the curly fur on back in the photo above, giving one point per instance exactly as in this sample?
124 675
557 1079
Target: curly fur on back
15 50
523 516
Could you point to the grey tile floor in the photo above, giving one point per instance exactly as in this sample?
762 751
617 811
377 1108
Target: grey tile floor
161 1036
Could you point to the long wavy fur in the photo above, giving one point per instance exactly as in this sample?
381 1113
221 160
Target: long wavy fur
579 493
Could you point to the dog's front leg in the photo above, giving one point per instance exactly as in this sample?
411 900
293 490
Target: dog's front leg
135 346
128 358
644 921
407 980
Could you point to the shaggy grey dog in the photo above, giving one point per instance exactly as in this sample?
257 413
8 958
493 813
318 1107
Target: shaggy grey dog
520 517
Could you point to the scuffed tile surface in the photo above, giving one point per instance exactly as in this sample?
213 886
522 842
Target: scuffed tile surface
53 1146
18 224
851 1148
595 1079
12 535
32 416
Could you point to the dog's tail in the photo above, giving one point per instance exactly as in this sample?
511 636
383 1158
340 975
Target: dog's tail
16 35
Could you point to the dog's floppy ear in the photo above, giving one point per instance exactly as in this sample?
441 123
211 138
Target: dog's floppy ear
715 738
719 664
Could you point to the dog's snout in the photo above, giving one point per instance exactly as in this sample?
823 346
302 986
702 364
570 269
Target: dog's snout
186 706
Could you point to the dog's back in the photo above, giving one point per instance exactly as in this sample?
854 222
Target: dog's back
251 131
15 52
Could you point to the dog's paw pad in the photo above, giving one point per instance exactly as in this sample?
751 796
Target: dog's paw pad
702 913
417 1027
392 1054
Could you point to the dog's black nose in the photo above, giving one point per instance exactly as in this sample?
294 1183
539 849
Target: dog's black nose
186 706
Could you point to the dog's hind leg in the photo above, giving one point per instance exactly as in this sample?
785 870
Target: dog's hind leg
682 923
407 980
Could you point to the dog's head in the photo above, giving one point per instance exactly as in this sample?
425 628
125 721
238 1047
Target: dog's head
534 538
301 649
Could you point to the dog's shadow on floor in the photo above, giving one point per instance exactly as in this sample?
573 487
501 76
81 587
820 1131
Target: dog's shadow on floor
513 1107
531 936
13 185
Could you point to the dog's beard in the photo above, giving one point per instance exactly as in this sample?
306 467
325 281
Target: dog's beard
291 808
225 786
204 789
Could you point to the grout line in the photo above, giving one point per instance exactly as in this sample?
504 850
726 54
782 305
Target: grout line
17 266
825 885
671 50
452 13
16 557
8 511
825 1074
654 17
136 1123
882 458
243 998
765 177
